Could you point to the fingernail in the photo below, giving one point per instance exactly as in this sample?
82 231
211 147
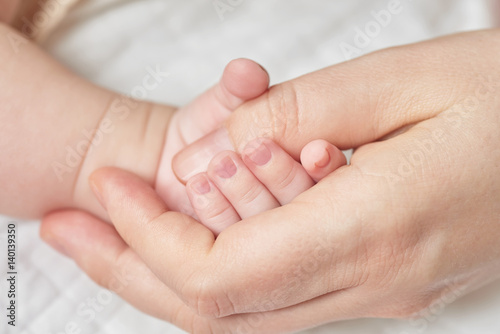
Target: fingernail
225 168
201 185
56 245
258 152
324 161
97 192
195 158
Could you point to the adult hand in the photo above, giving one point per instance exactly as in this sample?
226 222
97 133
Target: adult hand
414 218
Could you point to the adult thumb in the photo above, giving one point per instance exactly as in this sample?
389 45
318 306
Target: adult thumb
349 105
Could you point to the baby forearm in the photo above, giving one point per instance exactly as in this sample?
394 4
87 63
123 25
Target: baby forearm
38 103
56 128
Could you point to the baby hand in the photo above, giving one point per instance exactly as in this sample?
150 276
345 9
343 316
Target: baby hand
265 177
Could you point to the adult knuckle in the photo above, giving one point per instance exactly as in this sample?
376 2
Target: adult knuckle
206 296
275 115
193 323
283 111
101 280
107 278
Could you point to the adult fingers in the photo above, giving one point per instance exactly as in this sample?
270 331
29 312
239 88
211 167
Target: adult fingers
99 250
349 104
260 256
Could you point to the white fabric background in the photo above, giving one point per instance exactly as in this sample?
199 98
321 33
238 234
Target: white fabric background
111 42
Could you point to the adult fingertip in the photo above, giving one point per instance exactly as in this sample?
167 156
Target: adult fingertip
50 234
97 182
109 182
75 233
58 229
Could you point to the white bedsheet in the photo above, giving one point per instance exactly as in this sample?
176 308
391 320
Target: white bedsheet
111 42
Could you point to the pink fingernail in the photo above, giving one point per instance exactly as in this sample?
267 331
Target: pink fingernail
226 168
201 185
260 155
195 158
324 161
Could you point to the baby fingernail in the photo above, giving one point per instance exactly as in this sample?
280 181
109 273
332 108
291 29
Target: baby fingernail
324 161
201 185
258 153
195 158
226 168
